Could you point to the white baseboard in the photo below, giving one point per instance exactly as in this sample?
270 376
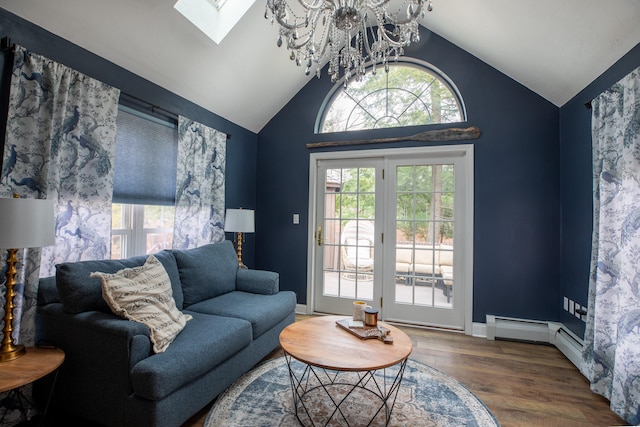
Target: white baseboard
536 331
479 330
567 342
517 329
301 309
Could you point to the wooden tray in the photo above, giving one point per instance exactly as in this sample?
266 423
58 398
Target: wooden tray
367 332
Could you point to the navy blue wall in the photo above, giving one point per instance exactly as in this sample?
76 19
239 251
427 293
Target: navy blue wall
577 186
524 177
517 199
241 148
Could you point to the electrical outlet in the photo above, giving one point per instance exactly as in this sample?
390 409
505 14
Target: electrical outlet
581 313
575 309
296 218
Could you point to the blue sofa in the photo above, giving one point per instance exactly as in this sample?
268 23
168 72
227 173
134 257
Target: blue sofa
111 374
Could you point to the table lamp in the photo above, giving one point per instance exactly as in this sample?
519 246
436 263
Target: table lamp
24 223
239 221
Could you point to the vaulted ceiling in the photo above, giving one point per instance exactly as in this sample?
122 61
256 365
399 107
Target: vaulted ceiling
554 47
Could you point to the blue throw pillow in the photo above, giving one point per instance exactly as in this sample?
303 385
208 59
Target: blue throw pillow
79 293
207 271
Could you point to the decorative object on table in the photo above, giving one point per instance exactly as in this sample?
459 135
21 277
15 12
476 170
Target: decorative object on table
367 332
239 221
427 397
358 310
349 34
370 316
26 223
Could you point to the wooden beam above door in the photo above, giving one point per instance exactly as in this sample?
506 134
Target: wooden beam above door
439 135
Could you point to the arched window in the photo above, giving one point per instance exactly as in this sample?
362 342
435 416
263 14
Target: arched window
411 93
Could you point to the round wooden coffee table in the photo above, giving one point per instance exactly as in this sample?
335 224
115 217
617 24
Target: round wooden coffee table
342 371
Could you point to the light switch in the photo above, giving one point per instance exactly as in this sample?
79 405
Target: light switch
296 218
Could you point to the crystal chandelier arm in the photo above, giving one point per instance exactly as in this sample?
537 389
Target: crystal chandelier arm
317 4
412 14
385 19
381 31
310 10
311 21
295 43
380 3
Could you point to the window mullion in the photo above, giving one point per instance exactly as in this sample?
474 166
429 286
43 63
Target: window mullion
139 234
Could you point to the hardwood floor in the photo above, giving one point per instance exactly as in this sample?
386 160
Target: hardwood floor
522 384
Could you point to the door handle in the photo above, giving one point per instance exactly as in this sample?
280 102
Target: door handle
319 235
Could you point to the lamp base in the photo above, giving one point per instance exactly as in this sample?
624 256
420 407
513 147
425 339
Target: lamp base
14 352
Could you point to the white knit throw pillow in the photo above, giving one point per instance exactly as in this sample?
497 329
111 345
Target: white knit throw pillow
143 294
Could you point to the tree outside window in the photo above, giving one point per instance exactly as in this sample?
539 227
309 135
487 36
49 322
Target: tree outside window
408 94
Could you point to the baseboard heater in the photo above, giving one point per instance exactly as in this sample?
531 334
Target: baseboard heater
537 331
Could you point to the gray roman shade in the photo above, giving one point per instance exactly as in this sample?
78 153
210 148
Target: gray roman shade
146 159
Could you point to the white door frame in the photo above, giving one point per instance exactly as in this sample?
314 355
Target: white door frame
466 150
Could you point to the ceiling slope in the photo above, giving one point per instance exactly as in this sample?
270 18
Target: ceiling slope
555 48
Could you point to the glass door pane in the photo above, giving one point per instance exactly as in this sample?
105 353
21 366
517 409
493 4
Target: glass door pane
424 235
349 231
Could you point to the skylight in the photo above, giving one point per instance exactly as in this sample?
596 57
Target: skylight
215 18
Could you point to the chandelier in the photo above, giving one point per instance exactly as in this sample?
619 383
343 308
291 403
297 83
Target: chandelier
351 33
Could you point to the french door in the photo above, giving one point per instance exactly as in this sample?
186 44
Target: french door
347 235
395 231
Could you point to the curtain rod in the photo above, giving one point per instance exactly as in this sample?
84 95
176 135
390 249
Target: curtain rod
155 108
6 44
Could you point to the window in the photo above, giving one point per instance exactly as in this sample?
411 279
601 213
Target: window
144 184
215 18
140 229
409 94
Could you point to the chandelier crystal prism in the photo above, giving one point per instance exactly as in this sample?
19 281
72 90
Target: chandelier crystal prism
350 33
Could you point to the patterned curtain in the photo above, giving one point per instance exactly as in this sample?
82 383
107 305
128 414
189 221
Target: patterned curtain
611 357
200 185
60 143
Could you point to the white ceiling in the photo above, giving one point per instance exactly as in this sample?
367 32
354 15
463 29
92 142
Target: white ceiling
554 47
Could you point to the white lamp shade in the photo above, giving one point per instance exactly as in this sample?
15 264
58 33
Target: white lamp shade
239 220
26 223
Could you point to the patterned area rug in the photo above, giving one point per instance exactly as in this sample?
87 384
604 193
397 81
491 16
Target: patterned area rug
427 397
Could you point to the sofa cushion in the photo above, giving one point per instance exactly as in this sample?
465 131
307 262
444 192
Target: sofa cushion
143 294
79 293
207 271
204 343
169 263
263 311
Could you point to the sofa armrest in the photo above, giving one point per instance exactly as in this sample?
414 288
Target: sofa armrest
258 281
100 351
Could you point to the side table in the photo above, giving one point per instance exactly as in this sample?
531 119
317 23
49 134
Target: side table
36 364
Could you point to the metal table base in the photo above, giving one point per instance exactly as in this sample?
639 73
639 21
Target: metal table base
340 389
